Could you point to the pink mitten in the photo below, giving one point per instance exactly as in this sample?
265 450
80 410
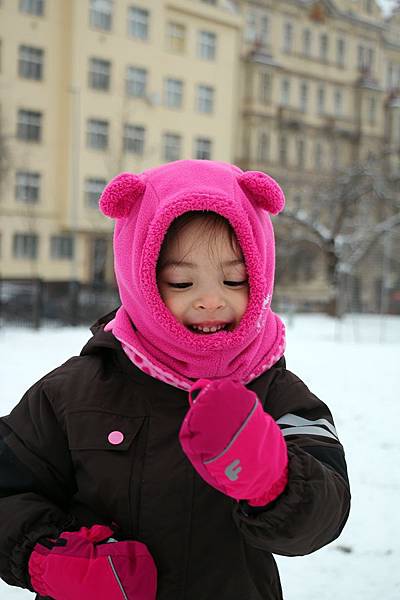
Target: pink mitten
76 565
232 443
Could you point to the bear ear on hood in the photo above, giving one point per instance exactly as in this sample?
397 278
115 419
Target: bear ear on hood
120 195
264 190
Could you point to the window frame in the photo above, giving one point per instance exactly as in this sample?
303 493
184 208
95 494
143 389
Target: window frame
101 20
102 133
62 247
30 127
176 151
30 66
27 187
99 74
32 7
173 92
136 81
207 45
200 153
137 29
25 246
93 188
205 98
133 144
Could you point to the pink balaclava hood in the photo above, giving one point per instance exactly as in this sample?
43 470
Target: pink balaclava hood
144 207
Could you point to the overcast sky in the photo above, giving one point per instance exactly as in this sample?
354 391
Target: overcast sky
387 5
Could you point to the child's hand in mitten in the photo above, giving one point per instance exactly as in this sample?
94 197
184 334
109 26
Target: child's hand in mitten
232 443
76 566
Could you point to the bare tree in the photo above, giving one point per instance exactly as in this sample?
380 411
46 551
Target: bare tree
345 219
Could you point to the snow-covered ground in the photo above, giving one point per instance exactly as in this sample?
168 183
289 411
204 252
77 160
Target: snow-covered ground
355 368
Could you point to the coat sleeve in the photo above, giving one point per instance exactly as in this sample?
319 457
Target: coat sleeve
36 482
313 509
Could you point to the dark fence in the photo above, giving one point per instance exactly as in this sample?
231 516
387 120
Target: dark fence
34 303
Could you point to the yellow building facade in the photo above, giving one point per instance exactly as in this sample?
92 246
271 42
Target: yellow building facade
89 88
321 83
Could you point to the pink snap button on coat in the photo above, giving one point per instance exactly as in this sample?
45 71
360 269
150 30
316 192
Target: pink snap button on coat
116 437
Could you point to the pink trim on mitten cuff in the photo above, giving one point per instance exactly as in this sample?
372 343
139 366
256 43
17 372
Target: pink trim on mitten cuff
36 568
273 492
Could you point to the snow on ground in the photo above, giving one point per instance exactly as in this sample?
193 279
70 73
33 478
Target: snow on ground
354 366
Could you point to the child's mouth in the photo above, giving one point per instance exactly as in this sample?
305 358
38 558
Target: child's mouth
210 329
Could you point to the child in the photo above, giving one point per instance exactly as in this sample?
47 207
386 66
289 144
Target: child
176 454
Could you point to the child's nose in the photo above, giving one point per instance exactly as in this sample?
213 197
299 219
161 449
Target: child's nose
210 302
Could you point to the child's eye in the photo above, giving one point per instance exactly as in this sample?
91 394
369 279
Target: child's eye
180 286
235 283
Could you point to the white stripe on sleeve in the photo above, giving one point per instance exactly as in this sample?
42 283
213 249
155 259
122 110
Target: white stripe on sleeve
300 426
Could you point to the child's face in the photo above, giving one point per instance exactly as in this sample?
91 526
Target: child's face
209 291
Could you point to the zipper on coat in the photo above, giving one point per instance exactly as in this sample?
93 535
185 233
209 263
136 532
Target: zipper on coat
136 476
117 578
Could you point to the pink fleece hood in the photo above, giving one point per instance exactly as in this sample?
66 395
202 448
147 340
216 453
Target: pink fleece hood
144 206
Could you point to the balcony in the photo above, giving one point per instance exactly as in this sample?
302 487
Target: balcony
344 127
291 118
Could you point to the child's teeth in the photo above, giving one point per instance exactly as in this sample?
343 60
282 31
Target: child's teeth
208 329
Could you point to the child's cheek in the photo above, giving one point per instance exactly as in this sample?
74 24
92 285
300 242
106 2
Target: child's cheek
174 303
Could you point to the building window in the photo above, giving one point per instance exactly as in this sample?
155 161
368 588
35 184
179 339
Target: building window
176 37
318 156
97 134
389 76
27 187
323 47
32 7
265 90
93 189
303 96
283 150
336 157
365 59
207 44
371 110
25 245
62 246
285 92
99 260
138 22
101 14
250 32
287 37
205 99
30 62
99 74
134 136
338 103
173 93
136 82
340 52
29 126
307 42
263 147
301 153
203 149
264 29
172 146
369 6
321 100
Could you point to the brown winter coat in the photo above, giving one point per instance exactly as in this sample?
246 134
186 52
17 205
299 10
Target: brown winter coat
58 472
